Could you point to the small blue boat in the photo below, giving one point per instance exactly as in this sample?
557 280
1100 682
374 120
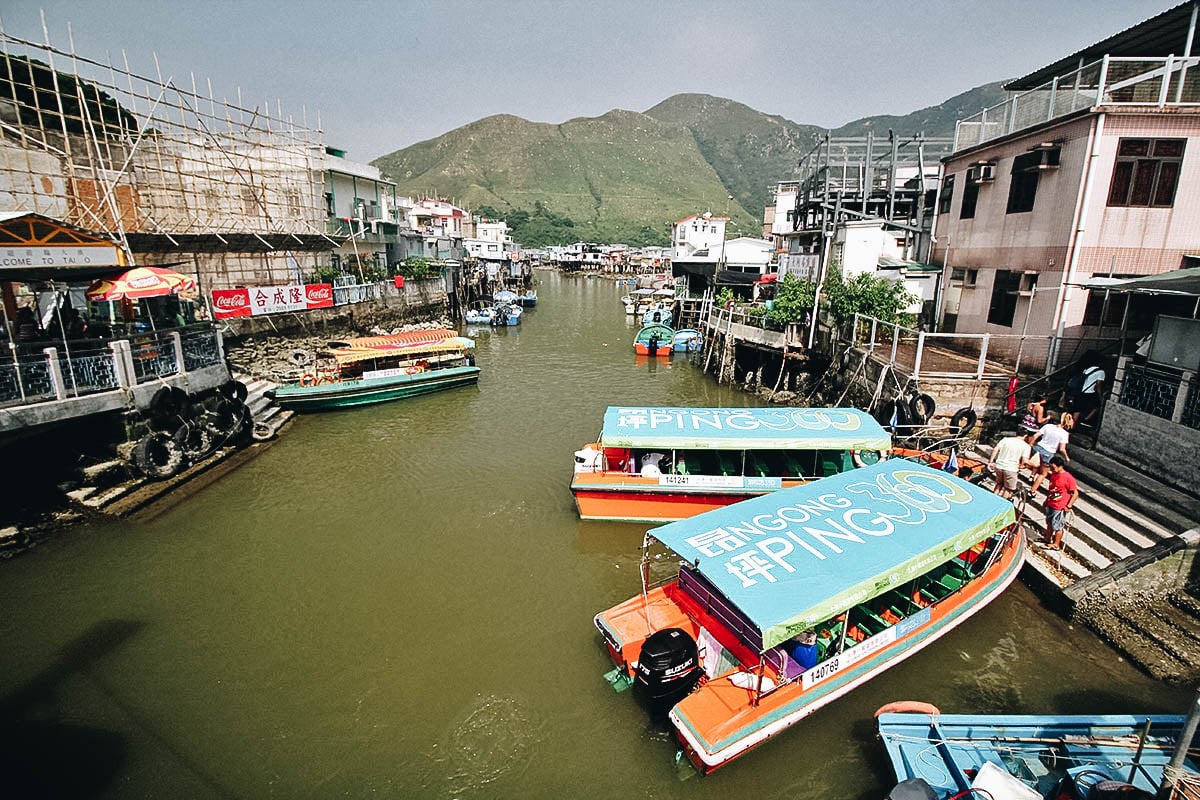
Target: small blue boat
505 296
480 316
658 314
687 340
1032 755
528 298
506 314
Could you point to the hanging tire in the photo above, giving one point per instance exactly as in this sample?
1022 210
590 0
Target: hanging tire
235 390
224 421
963 421
897 407
196 440
166 402
158 456
921 408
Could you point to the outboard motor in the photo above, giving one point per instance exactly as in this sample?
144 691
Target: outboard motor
667 670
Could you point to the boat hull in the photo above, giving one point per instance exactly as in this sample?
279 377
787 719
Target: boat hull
631 498
719 722
347 394
944 750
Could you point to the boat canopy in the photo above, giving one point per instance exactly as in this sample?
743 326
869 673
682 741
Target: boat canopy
790 559
397 339
741 428
664 334
350 355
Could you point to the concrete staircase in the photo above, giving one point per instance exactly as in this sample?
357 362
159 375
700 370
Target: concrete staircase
117 489
268 417
1124 520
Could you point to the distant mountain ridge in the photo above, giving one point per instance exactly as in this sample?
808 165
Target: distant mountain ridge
625 176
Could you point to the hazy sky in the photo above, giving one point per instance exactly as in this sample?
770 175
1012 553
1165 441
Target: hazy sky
387 74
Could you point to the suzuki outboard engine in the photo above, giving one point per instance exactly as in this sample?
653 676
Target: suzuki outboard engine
667 670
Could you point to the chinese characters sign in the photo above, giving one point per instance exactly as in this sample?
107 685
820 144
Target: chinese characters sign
259 300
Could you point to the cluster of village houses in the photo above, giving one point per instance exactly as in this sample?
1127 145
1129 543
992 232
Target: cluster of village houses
1029 223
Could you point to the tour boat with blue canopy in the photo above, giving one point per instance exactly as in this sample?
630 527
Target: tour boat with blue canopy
752 617
654 464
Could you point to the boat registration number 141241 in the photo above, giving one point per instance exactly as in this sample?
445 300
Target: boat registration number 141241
722 482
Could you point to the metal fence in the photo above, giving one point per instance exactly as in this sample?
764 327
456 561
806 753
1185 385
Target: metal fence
1171 81
86 367
982 356
1170 396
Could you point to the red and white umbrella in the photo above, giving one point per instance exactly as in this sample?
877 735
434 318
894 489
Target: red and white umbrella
140 282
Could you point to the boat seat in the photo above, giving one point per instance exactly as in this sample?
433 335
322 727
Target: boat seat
728 465
951 583
902 605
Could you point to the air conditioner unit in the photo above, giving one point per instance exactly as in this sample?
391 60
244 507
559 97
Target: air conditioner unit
981 173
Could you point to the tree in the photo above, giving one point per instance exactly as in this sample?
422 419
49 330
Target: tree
867 294
793 300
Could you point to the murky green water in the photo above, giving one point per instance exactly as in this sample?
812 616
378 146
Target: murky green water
396 601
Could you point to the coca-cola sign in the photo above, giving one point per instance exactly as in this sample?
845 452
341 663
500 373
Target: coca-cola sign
319 295
231 303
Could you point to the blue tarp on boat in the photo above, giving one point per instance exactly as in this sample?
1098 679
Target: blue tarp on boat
796 557
743 428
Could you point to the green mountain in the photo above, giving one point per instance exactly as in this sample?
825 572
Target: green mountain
932 121
626 176
748 149
622 176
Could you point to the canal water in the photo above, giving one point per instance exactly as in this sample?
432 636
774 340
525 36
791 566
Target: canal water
397 601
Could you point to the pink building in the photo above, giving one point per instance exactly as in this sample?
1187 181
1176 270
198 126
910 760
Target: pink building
1091 168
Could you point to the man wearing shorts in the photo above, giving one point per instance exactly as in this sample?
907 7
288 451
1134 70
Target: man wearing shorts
1008 456
1061 494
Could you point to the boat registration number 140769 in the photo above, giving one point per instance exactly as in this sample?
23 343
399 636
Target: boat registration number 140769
863 649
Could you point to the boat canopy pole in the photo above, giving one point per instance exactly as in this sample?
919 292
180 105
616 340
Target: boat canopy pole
1181 748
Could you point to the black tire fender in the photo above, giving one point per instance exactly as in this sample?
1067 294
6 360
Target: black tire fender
901 410
158 456
166 403
963 421
921 408
196 440
235 390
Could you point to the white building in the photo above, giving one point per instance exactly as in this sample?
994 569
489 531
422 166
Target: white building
697 233
491 242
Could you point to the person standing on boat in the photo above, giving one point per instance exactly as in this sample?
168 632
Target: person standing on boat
1061 495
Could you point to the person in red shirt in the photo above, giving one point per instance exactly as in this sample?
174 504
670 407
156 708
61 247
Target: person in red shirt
1061 494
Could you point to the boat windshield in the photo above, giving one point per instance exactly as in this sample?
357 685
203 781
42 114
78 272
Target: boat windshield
787 561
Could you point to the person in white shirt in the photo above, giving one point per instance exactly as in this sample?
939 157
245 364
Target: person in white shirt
1008 456
1050 441
1090 394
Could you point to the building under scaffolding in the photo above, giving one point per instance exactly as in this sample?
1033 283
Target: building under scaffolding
228 191
893 180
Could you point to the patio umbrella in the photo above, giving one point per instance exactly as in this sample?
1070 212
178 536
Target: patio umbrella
140 282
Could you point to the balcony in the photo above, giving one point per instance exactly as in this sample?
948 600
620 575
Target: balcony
77 378
1111 81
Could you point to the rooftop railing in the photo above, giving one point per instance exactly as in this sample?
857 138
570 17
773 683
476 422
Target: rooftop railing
1111 81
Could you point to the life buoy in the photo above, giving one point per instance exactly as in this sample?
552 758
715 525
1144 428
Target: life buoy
158 456
413 370
922 407
908 707
963 421
308 379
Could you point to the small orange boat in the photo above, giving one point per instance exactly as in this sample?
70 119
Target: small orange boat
661 464
776 606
